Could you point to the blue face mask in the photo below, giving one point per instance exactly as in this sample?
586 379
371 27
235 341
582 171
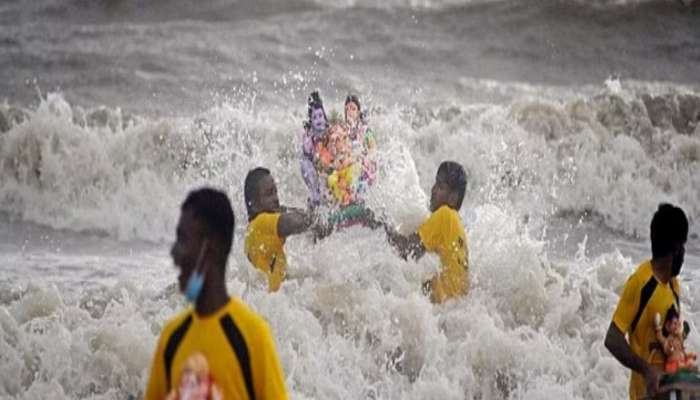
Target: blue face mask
196 281
194 286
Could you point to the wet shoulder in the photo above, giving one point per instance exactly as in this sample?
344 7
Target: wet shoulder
444 212
643 272
253 223
263 219
640 277
179 322
263 224
245 318
449 215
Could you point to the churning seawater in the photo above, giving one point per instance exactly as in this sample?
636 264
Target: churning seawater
573 121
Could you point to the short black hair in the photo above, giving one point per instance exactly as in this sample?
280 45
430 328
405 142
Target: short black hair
456 179
213 207
250 190
669 227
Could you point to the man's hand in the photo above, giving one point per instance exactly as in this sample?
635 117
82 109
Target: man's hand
410 245
657 321
651 376
372 221
321 230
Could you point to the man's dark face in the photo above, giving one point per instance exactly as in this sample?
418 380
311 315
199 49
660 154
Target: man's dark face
189 238
440 194
678 258
266 199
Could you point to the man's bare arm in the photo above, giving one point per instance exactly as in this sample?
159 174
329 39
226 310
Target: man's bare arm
616 343
293 221
410 245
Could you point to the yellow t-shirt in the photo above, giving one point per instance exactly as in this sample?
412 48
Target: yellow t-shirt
444 234
265 248
236 346
642 284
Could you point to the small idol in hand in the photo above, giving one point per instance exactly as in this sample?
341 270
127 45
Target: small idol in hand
672 338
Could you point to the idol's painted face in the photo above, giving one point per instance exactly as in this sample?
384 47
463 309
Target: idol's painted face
318 119
337 138
673 325
352 112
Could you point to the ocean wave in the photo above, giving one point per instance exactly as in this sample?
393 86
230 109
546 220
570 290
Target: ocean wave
451 4
133 10
615 153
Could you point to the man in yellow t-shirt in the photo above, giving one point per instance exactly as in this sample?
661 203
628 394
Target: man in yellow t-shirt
269 226
219 348
652 289
442 233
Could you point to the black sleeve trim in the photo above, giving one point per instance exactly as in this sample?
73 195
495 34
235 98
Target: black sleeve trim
235 339
647 291
171 348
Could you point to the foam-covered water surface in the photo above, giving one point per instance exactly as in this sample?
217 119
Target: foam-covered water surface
531 327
